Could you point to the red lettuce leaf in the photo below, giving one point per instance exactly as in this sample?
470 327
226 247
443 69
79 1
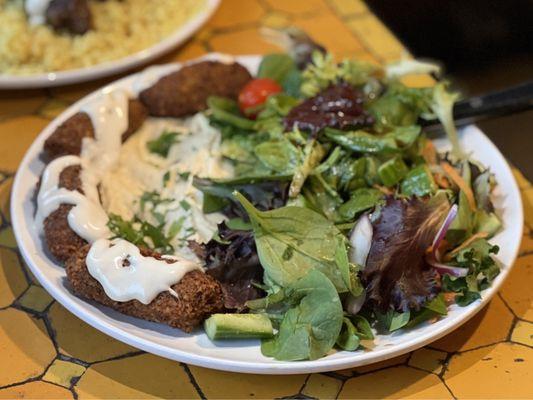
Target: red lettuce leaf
233 261
396 275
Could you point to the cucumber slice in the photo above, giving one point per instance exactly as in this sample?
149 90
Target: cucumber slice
238 326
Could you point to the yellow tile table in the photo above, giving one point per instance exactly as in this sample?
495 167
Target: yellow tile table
46 352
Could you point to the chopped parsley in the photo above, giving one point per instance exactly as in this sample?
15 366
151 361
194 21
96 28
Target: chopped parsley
140 233
153 198
185 205
166 178
163 143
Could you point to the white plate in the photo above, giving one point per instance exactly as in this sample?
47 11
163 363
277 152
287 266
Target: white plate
245 356
108 68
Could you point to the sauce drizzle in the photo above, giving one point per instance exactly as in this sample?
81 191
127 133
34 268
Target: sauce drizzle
145 277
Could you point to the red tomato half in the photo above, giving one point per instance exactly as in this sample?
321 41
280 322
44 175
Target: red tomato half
255 93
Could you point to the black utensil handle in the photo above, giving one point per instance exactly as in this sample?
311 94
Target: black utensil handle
496 104
508 101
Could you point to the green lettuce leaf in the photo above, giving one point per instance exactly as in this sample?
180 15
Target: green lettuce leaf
312 321
293 240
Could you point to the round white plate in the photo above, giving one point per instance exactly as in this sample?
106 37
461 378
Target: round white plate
108 68
245 356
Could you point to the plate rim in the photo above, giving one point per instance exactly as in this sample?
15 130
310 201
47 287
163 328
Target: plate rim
112 67
64 297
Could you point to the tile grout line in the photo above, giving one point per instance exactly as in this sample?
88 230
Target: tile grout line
193 381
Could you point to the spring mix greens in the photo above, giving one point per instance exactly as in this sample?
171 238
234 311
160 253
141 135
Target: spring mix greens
342 218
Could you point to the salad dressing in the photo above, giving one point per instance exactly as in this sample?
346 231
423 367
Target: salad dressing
36 10
145 277
86 218
105 263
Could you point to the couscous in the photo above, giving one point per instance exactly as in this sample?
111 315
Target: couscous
119 28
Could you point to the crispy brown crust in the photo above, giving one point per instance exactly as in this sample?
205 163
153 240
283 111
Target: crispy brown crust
70 178
67 139
71 15
199 296
185 91
61 240
137 113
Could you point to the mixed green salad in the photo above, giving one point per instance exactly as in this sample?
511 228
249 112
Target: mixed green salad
342 219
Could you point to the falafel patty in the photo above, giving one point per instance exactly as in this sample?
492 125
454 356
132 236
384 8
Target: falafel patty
198 295
60 239
185 91
68 137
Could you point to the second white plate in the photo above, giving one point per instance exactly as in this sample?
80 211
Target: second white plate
109 68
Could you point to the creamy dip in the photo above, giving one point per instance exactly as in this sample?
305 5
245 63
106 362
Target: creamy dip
196 153
36 10
116 176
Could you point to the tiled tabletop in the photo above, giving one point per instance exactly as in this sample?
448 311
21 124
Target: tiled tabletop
46 352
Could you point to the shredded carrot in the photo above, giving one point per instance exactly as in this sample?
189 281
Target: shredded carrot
466 243
429 153
449 297
459 181
441 181
383 189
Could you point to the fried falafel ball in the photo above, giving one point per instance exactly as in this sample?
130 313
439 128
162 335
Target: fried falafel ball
199 295
60 239
71 15
185 92
68 137
137 113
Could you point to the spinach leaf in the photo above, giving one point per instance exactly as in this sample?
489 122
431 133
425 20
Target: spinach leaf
405 136
227 111
276 67
432 309
392 171
364 331
265 192
400 106
293 240
321 198
392 320
348 338
280 156
163 143
312 321
362 142
419 182
292 83
360 200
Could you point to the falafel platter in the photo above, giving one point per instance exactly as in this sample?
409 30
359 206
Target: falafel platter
291 207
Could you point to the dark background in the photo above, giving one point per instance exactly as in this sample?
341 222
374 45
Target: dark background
485 45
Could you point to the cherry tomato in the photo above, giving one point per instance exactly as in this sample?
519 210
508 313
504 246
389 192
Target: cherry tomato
255 93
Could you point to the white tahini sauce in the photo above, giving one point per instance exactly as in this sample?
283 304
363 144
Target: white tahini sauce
86 218
105 263
120 172
36 10
196 153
